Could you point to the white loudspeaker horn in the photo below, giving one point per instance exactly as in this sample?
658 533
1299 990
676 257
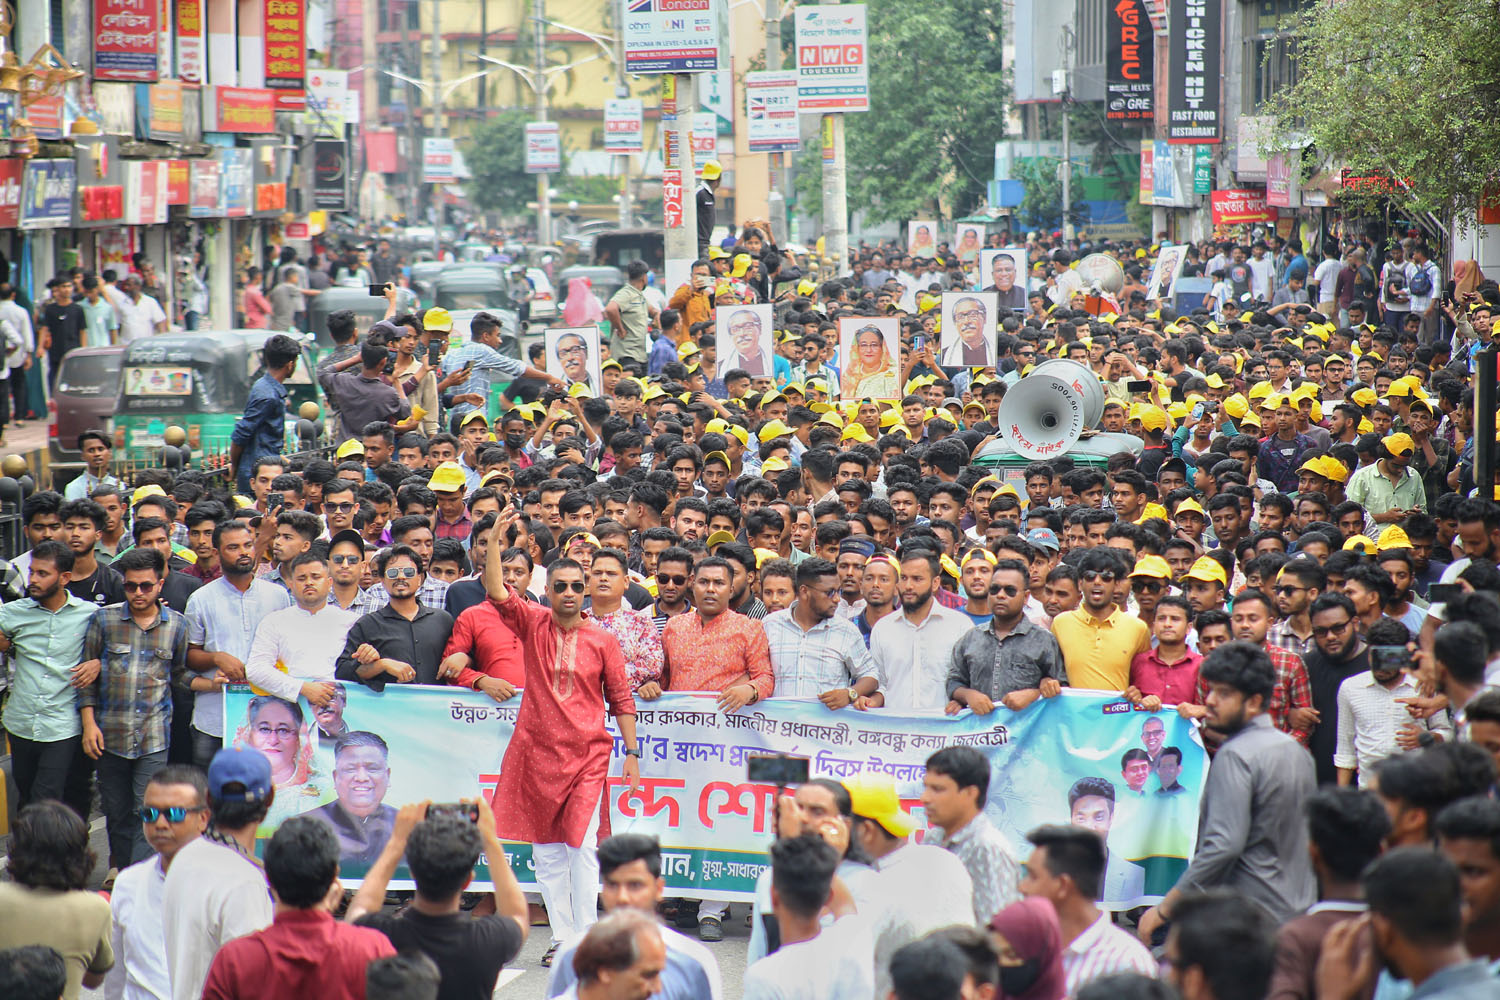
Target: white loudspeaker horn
1084 382
1042 416
1101 273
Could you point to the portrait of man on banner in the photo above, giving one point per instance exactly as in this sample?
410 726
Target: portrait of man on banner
743 336
572 354
1004 273
968 329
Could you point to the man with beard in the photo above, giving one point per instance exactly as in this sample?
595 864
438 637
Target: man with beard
304 640
1298 585
1259 854
1373 720
1469 834
222 617
553 776
854 554
1339 653
1290 706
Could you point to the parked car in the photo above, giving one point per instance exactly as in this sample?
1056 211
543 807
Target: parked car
544 304
84 399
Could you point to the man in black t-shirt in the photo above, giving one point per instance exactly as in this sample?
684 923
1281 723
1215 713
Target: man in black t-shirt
441 849
83 521
61 328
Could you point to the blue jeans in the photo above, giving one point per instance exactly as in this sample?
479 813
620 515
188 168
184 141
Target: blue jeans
122 788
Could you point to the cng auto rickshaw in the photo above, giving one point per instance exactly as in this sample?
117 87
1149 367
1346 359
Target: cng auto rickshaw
199 382
473 286
367 309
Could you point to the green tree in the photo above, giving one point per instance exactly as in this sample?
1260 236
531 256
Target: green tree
1383 89
937 106
496 154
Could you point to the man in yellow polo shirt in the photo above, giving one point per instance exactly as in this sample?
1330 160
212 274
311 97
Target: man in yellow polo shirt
1099 640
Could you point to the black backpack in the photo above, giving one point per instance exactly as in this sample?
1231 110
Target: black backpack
1421 282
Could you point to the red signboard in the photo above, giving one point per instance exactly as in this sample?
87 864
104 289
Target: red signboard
125 40
296 231
245 109
270 197
10 192
286 52
179 183
101 202
380 151
1234 207
671 197
46 117
190 41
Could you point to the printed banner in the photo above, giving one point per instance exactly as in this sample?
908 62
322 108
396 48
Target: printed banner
125 40
47 190
286 52
327 102
673 36
190 41
437 161
622 125
543 148
1129 63
771 111
1194 113
330 173
833 71
1230 208
1083 757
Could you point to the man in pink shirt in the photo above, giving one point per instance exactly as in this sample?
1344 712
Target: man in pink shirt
1166 674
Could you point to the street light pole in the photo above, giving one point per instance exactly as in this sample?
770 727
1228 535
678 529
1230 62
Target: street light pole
438 127
776 193
622 91
543 181
835 193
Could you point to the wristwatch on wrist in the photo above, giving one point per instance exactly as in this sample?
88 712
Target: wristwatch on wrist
853 696
633 752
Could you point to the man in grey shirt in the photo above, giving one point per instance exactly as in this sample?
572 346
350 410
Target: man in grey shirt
363 396
1252 828
1011 661
286 299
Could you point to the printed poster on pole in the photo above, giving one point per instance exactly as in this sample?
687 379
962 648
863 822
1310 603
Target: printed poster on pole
833 72
673 36
543 148
771 111
622 126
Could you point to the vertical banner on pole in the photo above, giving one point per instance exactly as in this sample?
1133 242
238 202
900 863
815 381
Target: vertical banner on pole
833 72
622 126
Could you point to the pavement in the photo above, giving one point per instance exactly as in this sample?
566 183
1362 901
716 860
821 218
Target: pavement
29 436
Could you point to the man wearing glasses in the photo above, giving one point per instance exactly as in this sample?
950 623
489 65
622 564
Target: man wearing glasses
1098 640
1297 586
339 505
174 813
573 357
1012 662
305 638
126 710
1338 654
747 347
974 342
403 640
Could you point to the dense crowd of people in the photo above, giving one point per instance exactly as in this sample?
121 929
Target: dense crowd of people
1289 547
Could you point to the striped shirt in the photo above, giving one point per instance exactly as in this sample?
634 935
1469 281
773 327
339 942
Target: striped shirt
1370 717
829 656
991 863
1103 949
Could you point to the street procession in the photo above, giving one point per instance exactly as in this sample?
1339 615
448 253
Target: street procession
749 500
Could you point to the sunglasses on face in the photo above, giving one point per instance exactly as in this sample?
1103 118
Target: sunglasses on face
400 572
1091 575
137 588
563 586
1286 591
174 814
1004 590
344 560
1151 586
675 579
1328 630
339 508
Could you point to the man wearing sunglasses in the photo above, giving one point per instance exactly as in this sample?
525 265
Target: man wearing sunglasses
346 567
553 776
173 814
305 639
1098 640
1012 662
1338 654
127 708
403 640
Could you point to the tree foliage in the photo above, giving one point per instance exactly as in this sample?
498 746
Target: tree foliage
937 106
1408 92
496 155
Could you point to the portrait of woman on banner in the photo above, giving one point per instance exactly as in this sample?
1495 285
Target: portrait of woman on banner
280 730
870 365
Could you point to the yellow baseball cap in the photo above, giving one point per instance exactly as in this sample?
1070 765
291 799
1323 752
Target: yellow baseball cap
1236 405
763 556
1152 566
1259 390
1191 506
977 553
872 796
1393 537
738 433
1214 381
349 448
1334 469
716 253
1208 570
719 538
472 416
1364 396
448 477
774 464
1399 443
718 456
686 349
1153 418
1360 543
856 432
149 490
439 319
772 430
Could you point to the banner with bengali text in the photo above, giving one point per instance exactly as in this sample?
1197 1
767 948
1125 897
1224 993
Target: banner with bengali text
1084 757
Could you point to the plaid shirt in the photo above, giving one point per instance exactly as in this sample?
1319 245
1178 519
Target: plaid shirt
364 601
1292 690
1279 459
829 656
132 697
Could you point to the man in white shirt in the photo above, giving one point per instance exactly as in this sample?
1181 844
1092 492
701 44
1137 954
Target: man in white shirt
1262 269
1373 722
1065 867
215 890
814 962
175 813
140 314
912 650
918 888
296 650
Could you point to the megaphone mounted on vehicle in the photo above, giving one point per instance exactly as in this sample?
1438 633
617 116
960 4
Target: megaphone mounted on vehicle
1042 415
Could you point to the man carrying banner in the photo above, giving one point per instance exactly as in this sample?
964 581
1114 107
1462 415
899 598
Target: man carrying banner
552 778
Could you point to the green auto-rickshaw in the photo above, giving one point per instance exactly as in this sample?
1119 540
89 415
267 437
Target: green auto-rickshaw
199 382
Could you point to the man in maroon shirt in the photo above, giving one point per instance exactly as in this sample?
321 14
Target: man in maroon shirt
305 952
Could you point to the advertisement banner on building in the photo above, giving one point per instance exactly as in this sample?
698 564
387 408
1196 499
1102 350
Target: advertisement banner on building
240 109
672 195
237 167
833 72
771 111
1283 187
179 182
116 105
1232 208
330 174
438 161
623 125
705 136
47 190
190 41
1194 42
10 192
286 51
327 102
673 36
1083 757
1203 169
543 148
46 117
1129 62
1148 175
146 194
159 110
204 198
125 40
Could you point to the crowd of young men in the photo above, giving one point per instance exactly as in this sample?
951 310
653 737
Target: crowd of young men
1264 559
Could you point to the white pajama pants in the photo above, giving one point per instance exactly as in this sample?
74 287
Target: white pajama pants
569 880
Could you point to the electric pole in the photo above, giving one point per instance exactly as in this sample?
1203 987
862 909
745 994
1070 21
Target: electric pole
622 91
543 181
776 191
835 191
439 129
678 102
